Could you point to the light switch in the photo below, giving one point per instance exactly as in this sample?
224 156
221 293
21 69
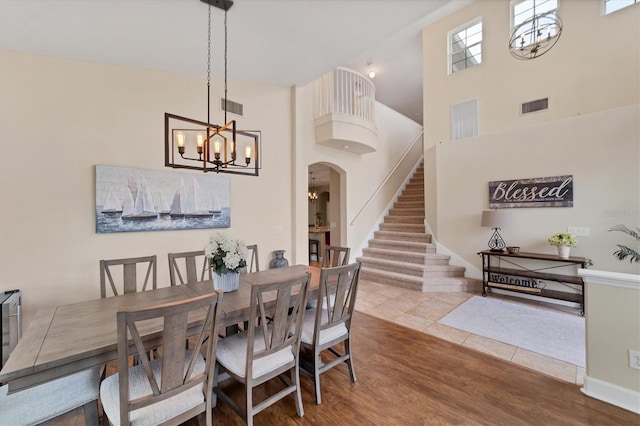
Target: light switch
578 231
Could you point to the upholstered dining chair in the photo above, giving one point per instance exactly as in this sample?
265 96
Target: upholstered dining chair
323 329
252 261
178 385
188 267
268 350
52 400
335 256
130 268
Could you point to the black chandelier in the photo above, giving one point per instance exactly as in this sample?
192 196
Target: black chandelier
535 36
198 145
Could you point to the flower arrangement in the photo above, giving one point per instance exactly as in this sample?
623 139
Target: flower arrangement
225 255
563 239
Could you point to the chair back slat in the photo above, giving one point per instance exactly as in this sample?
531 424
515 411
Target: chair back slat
188 267
252 262
129 282
168 326
338 288
336 256
290 300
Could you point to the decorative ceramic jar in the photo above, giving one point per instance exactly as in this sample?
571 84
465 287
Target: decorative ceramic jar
226 282
278 261
563 251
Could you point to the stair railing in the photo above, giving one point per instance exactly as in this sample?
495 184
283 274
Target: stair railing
391 172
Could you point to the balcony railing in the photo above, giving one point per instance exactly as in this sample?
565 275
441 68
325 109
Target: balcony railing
344 111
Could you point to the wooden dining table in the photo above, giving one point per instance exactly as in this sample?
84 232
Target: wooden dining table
64 339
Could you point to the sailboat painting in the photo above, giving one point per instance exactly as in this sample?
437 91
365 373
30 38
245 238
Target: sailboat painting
131 200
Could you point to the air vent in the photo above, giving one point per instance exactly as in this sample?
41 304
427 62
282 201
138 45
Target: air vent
533 106
232 107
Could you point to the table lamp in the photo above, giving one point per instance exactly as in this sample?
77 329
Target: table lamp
495 219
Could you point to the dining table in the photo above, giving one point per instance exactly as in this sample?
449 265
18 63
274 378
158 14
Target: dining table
64 339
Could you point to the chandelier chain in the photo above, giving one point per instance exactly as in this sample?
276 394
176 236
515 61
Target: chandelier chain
209 68
225 65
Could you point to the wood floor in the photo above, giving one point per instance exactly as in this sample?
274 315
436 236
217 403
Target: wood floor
407 377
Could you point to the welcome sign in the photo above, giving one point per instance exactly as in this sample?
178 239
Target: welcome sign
555 191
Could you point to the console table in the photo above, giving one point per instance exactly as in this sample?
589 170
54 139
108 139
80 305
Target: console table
508 271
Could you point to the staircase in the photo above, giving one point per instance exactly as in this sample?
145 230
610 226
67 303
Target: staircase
402 254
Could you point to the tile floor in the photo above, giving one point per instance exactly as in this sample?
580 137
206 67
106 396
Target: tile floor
421 311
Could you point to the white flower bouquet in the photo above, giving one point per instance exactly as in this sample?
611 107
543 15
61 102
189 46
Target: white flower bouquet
563 239
225 255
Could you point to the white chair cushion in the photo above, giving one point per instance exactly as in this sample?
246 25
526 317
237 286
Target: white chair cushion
139 386
232 355
44 402
326 335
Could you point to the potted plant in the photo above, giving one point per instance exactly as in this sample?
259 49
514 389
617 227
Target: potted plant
564 241
623 251
226 257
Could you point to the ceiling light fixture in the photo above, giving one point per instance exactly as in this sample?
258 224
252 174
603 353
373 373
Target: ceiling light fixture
535 36
216 146
313 195
372 71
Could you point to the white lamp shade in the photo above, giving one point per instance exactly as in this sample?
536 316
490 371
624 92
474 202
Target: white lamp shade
495 219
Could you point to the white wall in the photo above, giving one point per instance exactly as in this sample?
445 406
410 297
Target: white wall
59 118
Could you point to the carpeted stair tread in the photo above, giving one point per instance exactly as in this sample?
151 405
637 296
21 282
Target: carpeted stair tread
404 219
422 258
412 268
403 236
409 246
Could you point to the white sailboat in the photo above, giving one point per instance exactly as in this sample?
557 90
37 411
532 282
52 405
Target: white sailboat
214 204
163 207
188 202
112 204
140 206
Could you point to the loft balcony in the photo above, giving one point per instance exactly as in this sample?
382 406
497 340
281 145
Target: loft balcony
344 112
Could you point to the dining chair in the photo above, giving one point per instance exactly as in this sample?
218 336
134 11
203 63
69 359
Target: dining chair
252 264
52 400
323 329
266 351
130 268
335 256
174 387
188 267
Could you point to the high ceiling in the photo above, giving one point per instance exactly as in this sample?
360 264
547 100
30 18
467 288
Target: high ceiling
281 42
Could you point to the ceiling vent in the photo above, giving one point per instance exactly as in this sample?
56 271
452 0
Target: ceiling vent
232 107
533 106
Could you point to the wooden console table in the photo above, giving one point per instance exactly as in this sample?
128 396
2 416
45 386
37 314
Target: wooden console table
516 277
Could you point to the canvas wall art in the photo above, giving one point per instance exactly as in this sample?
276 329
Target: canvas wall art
132 200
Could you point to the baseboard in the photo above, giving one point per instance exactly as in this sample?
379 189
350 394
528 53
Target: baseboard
612 394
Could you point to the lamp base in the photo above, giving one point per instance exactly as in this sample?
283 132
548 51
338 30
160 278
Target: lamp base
498 250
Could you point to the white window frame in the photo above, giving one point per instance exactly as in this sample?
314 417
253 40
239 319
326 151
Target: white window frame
450 34
625 4
537 4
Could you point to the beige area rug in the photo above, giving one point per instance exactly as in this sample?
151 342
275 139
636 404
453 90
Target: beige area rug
555 334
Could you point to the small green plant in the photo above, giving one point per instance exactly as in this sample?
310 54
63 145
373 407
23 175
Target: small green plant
625 251
563 239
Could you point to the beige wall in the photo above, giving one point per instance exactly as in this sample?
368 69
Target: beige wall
591 130
59 118
593 67
612 328
360 174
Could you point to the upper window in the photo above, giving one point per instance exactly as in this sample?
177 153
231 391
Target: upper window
611 6
465 47
524 10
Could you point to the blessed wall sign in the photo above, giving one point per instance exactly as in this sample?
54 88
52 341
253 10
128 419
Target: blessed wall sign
554 191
